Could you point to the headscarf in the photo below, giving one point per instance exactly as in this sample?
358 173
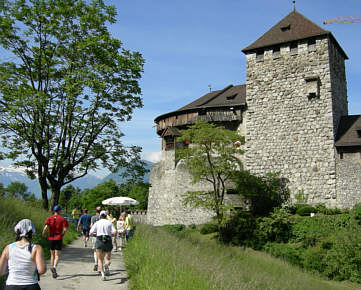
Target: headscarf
23 227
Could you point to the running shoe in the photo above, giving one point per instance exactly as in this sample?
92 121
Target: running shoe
103 278
106 270
53 271
95 268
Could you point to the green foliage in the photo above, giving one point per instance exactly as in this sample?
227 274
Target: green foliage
209 229
65 89
174 228
305 210
285 252
264 193
240 229
139 192
275 228
356 212
18 190
158 259
301 197
210 158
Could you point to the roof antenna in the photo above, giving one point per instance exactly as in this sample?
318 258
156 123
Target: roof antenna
294 5
210 88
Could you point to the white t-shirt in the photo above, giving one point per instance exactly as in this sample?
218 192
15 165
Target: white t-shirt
102 227
22 269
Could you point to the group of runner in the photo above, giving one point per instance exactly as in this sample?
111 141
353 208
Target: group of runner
25 261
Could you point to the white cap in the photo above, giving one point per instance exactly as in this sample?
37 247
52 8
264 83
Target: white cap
103 212
24 226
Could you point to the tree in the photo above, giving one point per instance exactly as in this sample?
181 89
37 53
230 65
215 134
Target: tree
18 190
210 157
66 88
66 194
263 193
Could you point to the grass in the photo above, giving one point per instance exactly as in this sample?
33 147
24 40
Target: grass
12 211
158 259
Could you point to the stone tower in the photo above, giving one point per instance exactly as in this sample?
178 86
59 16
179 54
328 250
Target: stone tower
296 95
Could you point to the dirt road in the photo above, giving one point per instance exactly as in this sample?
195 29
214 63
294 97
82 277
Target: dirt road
75 271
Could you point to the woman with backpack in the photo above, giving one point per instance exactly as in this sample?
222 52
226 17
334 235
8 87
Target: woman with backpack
24 260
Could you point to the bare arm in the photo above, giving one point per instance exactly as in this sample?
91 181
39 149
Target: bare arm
44 231
4 260
39 260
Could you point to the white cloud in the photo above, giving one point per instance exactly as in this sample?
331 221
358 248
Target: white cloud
153 156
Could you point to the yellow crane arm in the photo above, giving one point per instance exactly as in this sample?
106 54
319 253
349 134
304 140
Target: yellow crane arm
343 19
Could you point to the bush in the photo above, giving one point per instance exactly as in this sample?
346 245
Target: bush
263 192
305 210
284 252
174 228
240 229
209 229
356 212
275 228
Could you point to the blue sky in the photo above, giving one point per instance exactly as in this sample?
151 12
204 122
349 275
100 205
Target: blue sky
189 45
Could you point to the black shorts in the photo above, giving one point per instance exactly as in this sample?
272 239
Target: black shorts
23 287
56 245
86 232
104 243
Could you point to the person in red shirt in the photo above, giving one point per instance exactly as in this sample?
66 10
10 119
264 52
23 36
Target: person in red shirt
56 226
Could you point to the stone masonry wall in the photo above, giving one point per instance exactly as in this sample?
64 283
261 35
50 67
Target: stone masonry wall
286 131
168 184
348 181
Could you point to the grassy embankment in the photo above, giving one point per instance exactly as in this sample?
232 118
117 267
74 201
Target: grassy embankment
12 211
158 259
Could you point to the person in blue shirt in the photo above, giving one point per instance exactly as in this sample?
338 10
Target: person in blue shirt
85 222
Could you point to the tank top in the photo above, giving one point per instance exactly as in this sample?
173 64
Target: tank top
22 269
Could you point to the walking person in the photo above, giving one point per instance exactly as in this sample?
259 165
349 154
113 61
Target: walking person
85 222
121 230
113 220
76 215
129 225
24 260
94 219
103 230
56 226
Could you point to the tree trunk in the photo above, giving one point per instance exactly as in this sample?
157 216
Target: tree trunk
44 192
55 194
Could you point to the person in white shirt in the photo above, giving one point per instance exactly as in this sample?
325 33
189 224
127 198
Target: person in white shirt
103 230
24 259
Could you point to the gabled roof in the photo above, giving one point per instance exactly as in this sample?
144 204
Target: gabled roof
348 128
293 27
230 96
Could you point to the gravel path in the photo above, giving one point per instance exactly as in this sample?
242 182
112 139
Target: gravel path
75 271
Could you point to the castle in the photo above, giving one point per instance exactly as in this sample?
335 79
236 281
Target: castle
293 112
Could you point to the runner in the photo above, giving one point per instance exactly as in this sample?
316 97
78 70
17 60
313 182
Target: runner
112 219
129 225
23 258
103 230
85 222
75 214
57 226
94 219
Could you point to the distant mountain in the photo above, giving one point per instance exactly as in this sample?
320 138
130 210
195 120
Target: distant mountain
8 175
119 179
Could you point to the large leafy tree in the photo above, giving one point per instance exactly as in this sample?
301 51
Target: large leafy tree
65 87
211 157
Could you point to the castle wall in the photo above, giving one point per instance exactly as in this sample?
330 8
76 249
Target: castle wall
348 180
168 184
288 132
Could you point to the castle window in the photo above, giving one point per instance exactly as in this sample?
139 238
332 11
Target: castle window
313 87
286 27
276 53
294 48
311 44
202 112
358 133
259 55
341 155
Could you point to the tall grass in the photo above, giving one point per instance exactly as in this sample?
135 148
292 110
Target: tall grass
158 259
12 211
